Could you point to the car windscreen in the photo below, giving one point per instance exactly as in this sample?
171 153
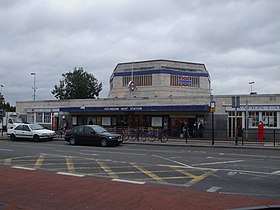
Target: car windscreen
36 127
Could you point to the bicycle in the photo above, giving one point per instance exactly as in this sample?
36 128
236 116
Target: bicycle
124 132
138 134
60 134
157 135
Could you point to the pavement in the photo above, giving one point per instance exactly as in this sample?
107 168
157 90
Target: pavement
26 190
39 189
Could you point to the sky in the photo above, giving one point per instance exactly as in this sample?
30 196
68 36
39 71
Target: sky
237 40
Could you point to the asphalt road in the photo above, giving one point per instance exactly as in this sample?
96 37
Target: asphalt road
245 172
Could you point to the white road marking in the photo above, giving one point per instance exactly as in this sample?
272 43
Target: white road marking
215 163
174 161
24 168
213 189
88 154
121 153
231 173
7 150
128 181
70 174
276 172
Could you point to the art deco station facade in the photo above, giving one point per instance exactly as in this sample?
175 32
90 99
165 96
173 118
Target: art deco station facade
164 93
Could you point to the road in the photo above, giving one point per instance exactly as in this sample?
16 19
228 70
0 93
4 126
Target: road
225 171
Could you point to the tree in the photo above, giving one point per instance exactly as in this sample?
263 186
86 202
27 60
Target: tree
6 106
77 85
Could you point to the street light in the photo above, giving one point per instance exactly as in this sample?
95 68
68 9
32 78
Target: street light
34 85
251 83
2 103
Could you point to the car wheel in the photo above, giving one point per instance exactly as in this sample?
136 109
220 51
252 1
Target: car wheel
103 142
13 137
72 141
36 138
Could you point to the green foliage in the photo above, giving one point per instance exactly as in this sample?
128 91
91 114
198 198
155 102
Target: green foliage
6 106
77 85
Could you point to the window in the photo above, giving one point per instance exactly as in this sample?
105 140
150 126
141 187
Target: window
30 117
139 80
232 114
175 81
20 127
88 130
47 117
78 130
39 117
269 119
25 128
253 119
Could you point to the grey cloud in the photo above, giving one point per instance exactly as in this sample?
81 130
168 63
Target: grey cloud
238 41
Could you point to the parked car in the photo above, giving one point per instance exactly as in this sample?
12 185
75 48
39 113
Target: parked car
92 134
30 131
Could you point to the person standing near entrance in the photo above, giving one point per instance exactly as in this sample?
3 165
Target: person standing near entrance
200 128
186 131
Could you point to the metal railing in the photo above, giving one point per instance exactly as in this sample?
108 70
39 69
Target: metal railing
270 136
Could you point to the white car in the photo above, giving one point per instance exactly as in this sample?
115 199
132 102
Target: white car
30 131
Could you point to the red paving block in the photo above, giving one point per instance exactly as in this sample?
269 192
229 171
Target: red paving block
21 189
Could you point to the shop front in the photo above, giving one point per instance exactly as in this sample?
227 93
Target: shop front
170 118
251 116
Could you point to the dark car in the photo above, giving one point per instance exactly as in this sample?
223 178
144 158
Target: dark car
92 134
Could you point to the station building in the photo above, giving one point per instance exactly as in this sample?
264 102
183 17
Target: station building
158 93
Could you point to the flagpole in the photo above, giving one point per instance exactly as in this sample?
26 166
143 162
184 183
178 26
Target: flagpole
131 79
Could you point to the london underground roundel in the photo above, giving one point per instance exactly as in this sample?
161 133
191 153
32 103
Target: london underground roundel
185 81
131 86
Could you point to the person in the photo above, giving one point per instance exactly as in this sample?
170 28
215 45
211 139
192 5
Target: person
200 128
90 122
186 131
195 129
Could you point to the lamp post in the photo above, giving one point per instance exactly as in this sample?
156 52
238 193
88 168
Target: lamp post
2 103
34 85
251 83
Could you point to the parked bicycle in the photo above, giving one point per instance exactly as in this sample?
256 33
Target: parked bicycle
157 135
138 134
60 133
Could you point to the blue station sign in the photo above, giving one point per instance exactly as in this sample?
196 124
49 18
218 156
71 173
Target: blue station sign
135 108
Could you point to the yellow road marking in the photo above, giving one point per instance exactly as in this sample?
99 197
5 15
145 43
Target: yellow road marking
70 164
198 178
194 178
108 170
150 174
39 161
133 168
